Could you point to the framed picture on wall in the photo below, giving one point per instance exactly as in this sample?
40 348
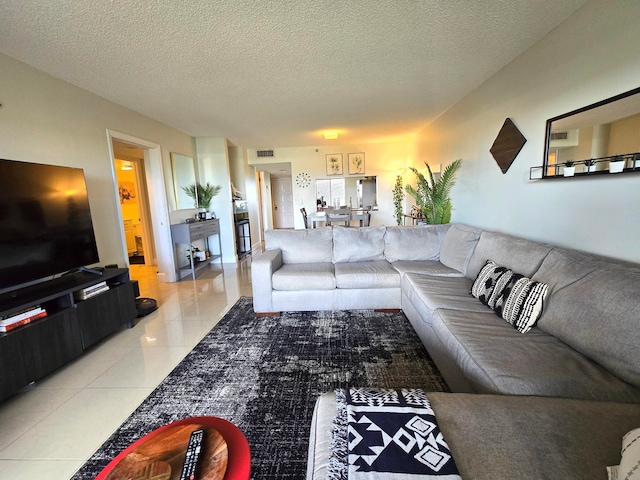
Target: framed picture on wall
356 163
334 164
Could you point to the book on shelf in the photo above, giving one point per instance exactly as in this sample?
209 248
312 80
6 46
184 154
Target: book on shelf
27 312
90 292
19 323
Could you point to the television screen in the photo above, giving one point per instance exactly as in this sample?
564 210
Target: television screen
45 222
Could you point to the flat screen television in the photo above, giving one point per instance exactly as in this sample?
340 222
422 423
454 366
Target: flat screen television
45 222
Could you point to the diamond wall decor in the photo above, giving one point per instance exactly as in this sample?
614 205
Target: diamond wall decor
507 145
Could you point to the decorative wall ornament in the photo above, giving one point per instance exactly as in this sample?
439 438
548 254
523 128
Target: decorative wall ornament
507 145
303 180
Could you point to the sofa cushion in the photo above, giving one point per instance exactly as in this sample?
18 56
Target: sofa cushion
593 306
301 276
363 244
531 438
414 243
495 358
457 247
301 246
378 274
427 293
425 267
518 254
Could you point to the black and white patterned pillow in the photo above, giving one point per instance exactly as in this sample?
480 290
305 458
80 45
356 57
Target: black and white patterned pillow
521 301
490 282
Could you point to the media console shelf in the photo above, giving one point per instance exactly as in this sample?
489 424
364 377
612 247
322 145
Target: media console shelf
32 351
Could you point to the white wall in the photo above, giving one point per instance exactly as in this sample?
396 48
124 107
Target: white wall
213 165
594 55
384 160
46 120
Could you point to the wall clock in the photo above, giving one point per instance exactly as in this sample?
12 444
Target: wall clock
303 180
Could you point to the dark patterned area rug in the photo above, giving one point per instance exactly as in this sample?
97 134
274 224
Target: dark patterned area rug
264 375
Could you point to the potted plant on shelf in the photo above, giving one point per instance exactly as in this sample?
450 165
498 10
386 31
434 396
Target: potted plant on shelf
616 164
636 160
569 169
432 196
590 164
202 195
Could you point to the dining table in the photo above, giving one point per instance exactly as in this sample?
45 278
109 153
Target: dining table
362 215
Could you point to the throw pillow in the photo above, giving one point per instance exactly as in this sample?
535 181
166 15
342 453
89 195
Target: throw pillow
489 277
520 302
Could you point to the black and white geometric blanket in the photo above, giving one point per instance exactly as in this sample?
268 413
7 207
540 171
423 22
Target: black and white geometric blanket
387 434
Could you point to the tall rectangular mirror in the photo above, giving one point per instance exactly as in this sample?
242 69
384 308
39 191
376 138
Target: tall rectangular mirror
184 174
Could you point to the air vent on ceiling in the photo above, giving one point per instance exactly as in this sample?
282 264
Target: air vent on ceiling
265 153
559 136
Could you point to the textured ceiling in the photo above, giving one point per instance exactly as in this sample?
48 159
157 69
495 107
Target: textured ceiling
276 73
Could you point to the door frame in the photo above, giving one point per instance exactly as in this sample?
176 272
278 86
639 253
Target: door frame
156 191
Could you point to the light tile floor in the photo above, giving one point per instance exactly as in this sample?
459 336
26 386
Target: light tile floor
49 429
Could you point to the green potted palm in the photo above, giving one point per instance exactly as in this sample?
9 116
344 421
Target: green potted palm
432 196
202 194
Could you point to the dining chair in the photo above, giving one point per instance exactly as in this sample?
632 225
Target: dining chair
339 215
304 216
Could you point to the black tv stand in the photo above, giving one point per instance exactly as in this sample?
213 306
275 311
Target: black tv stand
30 352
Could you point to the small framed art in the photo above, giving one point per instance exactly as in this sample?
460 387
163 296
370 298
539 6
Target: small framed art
356 163
334 164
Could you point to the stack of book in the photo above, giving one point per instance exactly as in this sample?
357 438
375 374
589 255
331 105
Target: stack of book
91 291
21 318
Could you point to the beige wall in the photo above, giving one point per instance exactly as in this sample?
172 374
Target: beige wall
46 120
594 55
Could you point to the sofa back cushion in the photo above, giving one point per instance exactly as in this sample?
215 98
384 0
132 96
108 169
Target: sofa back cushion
414 243
593 307
517 254
358 244
457 246
314 245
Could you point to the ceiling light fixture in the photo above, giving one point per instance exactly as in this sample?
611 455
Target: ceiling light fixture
331 135
126 166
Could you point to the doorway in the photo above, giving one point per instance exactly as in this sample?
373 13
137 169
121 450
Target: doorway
282 199
134 203
157 246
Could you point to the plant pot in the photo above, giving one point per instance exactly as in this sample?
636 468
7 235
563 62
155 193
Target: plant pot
616 167
590 168
569 171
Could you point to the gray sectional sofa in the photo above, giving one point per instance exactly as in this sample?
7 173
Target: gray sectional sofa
583 354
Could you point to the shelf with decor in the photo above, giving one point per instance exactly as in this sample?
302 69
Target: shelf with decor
186 234
628 163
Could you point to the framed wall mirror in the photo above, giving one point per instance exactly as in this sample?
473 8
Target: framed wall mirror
184 174
590 140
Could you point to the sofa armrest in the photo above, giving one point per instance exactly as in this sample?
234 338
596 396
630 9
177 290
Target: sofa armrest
262 267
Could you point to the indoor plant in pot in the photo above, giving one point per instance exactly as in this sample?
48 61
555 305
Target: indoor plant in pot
616 164
202 195
432 196
590 165
569 169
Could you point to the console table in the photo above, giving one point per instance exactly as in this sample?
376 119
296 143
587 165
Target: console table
186 234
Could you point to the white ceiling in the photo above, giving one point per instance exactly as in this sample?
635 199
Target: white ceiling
277 73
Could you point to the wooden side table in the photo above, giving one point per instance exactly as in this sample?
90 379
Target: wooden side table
224 456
